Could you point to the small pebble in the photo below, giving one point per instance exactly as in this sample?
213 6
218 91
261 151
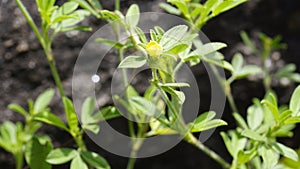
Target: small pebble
9 43
22 47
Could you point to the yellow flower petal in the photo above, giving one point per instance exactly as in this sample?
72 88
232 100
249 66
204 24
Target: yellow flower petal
154 49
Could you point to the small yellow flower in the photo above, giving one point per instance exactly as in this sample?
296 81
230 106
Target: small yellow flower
187 1
154 49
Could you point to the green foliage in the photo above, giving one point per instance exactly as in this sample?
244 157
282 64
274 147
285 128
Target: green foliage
78 159
198 14
268 46
253 144
205 122
265 122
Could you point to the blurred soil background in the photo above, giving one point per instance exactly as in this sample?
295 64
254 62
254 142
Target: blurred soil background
24 72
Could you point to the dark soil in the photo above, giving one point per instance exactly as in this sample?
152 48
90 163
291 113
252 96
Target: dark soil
25 73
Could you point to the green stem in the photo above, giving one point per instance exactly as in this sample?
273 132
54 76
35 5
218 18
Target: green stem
137 143
19 159
117 5
225 85
192 140
177 68
267 77
79 141
54 71
31 22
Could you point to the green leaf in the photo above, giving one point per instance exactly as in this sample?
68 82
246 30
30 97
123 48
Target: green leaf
36 153
286 70
68 7
254 116
145 106
18 108
209 48
292 120
253 135
149 93
178 94
61 155
295 102
111 15
173 36
133 62
227 5
71 115
169 8
43 100
153 35
246 71
227 66
51 119
111 43
141 35
237 61
285 151
87 110
85 5
295 77
95 160
105 113
197 11
285 115
132 16
227 142
78 163
247 41
287 162
273 108
76 28
177 49
240 120
96 4
79 15
246 156
91 127
208 125
9 135
270 158
174 84
205 117
205 122
181 5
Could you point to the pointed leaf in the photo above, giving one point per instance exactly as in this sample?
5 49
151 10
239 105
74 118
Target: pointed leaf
295 102
61 155
36 154
18 108
133 62
253 135
95 160
78 163
169 8
70 114
285 151
43 100
133 16
51 119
